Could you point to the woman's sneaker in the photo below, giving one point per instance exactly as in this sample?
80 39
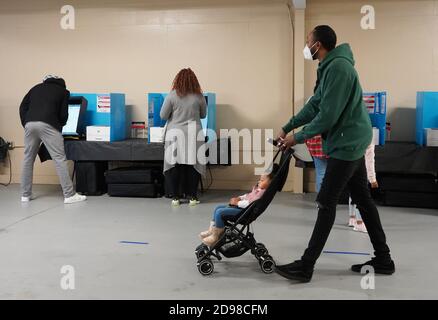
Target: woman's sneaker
194 202
352 221
76 198
175 202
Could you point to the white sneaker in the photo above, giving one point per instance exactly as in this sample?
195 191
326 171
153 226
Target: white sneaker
27 199
360 227
76 198
352 222
175 202
194 202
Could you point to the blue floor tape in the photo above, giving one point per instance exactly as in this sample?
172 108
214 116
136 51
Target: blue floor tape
133 242
346 252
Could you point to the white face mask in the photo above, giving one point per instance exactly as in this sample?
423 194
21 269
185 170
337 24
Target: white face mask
307 53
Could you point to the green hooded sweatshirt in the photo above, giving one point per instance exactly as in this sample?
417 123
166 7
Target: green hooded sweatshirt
336 110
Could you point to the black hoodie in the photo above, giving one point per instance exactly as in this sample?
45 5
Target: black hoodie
46 102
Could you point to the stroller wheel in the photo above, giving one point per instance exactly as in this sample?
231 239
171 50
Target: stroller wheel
205 267
267 264
260 250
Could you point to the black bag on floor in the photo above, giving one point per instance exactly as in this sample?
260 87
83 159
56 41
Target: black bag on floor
135 182
411 199
133 175
409 190
134 190
422 183
90 177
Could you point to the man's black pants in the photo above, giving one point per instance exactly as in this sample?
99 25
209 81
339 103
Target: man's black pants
339 175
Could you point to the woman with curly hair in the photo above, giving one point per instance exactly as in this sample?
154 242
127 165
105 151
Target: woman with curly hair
184 162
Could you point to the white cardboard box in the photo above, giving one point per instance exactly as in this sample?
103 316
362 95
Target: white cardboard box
376 136
432 137
98 133
156 134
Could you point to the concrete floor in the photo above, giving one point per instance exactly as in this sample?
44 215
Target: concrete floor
37 239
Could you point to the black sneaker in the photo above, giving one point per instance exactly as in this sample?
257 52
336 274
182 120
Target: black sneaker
295 271
379 268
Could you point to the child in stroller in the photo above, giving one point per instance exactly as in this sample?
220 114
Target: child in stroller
235 206
236 238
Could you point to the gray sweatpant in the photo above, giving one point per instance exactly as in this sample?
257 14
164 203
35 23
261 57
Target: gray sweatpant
34 133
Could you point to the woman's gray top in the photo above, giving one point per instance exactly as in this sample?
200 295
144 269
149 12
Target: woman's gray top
184 135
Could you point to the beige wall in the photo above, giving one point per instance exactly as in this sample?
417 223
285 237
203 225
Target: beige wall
400 56
239 49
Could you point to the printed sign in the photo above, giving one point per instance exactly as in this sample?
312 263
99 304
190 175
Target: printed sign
370 102
104 104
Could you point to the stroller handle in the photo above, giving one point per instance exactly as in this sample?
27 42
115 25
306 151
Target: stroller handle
290 151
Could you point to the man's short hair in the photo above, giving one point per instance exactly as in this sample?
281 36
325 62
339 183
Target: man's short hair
326 35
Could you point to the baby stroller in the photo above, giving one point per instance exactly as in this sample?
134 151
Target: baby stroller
237 238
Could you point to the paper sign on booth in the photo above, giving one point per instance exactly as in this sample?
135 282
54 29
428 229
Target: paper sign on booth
103 103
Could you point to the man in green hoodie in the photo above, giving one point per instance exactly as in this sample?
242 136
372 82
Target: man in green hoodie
338 113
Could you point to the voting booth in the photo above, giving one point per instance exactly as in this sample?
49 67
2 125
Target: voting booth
155 103
426 118
105 116
375 103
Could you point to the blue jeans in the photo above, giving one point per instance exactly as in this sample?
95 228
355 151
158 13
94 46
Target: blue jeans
320 167
224 210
